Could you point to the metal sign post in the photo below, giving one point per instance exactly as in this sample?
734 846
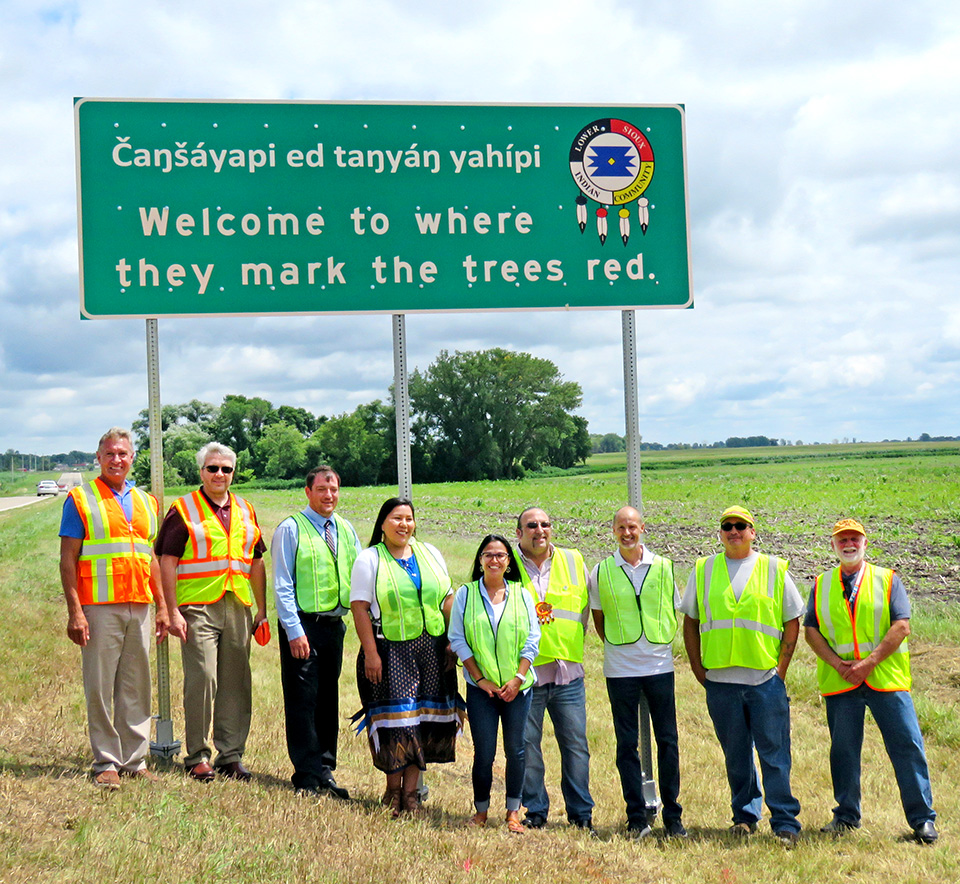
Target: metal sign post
165 746
631 410
401 396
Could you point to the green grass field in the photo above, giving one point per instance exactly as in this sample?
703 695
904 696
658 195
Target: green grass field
58 827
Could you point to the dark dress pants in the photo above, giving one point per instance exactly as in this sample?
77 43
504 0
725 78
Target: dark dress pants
311 699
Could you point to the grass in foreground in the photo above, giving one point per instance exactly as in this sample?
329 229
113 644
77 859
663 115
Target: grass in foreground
59 827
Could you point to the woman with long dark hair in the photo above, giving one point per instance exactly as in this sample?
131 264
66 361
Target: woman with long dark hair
495 632
400 596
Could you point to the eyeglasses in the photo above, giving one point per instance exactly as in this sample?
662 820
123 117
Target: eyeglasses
211 468
534 525
498 557
729 526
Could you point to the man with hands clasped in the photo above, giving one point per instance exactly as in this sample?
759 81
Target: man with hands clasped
857 622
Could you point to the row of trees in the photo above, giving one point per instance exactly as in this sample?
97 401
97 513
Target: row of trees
611 442
474 415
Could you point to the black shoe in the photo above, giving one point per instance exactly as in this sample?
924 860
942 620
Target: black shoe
534 821
586 825
927 833
638 830
787 837
839 827
329 786
675 829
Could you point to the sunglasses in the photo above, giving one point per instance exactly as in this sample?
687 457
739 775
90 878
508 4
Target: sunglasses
532 526
729 526
217 469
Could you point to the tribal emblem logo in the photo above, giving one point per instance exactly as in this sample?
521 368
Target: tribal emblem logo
612 163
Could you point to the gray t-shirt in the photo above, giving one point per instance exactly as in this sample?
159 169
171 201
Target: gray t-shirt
740 571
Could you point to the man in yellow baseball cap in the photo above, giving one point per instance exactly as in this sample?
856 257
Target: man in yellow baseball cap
857 622
740 627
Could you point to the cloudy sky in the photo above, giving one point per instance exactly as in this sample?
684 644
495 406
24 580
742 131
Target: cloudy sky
823 182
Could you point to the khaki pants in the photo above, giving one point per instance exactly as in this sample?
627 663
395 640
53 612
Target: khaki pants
116 684
216 679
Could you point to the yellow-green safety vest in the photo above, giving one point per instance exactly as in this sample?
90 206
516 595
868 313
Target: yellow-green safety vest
405 610
562 637
322 581
497 651
743 632
627 615
854 636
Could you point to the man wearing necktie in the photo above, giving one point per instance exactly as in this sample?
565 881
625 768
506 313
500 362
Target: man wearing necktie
313 553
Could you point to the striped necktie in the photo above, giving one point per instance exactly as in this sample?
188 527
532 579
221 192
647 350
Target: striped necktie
330 537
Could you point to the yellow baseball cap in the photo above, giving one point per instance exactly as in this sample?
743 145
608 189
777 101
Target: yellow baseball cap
848 525
737 512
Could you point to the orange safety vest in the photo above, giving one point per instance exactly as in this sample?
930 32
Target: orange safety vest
215 562
115 556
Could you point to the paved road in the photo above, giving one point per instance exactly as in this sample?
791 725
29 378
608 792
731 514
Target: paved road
10 503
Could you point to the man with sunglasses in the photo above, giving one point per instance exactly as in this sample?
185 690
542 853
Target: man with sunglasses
740 627
557 580
212 570
633 598
313 553
857 622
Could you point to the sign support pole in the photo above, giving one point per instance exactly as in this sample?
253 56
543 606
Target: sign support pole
401 397
635 498
165 746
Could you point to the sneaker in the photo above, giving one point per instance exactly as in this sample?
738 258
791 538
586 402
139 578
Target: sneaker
534 821
675 829
926 833
839 827
742 830
107 779
787 837
637 831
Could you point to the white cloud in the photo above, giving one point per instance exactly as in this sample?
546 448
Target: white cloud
823 189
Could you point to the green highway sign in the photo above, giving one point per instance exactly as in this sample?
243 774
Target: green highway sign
195 208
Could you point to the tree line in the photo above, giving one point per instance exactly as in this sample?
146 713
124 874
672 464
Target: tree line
488 414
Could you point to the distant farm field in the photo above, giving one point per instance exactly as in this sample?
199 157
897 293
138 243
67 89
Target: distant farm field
57 827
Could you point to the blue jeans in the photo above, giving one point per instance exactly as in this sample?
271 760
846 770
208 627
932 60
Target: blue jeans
625 696
748 716
485 715
897 719
568 712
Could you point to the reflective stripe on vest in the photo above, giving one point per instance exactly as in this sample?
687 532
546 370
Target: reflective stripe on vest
497 652
404 609
214 562
627 615
746 631
854 636
562 637
322 582
115 555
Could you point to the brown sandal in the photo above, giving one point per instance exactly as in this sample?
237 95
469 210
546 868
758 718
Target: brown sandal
514 826
477 821
391 801
411 802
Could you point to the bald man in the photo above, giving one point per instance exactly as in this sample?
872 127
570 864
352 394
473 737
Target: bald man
634 598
